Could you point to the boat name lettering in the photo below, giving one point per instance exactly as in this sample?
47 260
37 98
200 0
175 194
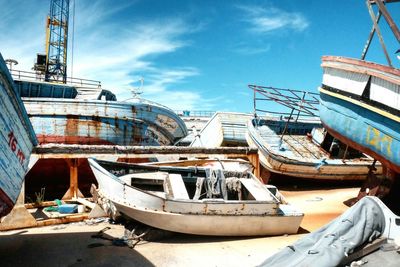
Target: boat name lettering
12 143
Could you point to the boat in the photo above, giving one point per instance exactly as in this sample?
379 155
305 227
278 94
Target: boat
223 129
196 200
360 105
296 144
81 112
16 142
360 101
195 120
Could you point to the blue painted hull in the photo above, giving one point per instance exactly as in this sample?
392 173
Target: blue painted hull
363 129
16 141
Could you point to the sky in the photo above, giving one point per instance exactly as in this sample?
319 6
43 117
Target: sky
198 55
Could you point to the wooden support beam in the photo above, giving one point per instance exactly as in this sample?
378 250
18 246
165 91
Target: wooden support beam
19 217
104 151
385 13
378 31
371 35
73 191
254 160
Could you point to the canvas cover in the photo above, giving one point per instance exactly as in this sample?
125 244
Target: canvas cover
330 245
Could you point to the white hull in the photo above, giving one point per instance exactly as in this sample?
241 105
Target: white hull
201 217
215 225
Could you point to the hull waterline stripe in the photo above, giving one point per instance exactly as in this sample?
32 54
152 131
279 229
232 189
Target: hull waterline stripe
394 114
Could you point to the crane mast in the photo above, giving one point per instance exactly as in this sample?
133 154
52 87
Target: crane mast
54 63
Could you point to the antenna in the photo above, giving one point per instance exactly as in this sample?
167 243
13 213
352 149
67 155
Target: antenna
138 91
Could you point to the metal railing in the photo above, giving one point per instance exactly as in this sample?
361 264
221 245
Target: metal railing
39 77
305 103
195 113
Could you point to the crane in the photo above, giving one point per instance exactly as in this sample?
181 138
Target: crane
53 64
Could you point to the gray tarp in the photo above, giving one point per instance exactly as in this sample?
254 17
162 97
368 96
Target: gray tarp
329 245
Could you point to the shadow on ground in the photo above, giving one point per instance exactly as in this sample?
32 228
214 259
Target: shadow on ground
66 249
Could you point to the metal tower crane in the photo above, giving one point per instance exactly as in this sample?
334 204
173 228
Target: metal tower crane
54 63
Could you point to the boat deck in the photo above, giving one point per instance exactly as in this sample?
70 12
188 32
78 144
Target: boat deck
299 146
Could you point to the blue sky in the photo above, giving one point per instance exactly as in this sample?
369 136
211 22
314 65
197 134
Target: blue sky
199 55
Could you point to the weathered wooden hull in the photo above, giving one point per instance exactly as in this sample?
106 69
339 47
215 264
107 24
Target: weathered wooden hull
202 217
308 166
16 142
360 105
96 122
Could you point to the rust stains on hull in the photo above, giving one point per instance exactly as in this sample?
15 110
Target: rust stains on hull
81 140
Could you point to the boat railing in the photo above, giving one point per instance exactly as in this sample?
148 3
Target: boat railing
195 113
304 103
39 77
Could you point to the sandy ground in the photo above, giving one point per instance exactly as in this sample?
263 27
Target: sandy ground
73 244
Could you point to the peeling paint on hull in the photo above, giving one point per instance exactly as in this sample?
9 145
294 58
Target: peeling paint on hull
16 141
360 105
299 157
97 122
359 135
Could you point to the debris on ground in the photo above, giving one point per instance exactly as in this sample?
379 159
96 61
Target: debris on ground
133 234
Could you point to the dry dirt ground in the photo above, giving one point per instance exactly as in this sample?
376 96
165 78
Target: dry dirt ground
74 244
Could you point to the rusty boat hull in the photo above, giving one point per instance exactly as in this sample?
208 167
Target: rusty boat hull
360 105
97 122
302 152
16 142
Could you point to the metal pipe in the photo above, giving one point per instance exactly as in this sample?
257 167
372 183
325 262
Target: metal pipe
286 125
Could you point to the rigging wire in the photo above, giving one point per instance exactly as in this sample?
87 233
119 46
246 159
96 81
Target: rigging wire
72 38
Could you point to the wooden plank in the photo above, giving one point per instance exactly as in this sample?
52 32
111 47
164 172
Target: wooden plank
199 187
84 151
258 191
86 202
68 219
365 250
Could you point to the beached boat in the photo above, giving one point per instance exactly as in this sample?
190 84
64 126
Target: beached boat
196 200
360 105
88 114
223 129
360 102
16 142
299 146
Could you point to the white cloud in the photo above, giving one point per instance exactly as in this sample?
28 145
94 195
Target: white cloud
248 50
270 19
106 49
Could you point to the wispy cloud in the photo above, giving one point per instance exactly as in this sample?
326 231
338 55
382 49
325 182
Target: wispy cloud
21 39
106 49
123 59
270 19
249 51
